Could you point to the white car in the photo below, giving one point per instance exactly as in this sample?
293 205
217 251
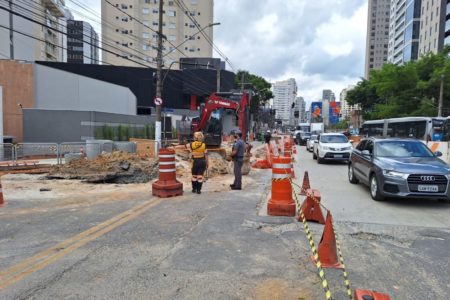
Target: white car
310 143
332 146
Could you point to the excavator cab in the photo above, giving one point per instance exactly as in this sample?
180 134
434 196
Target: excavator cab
214 129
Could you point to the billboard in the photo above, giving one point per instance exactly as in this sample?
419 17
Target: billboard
334 112
316 112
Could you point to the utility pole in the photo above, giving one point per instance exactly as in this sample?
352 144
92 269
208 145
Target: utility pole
242 82
159 83
441 96
11 31
218 79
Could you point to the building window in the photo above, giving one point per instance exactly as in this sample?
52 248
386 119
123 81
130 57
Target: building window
145 11
145 35
172 38
172 13
172 25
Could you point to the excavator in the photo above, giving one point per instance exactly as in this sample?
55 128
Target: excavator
211 115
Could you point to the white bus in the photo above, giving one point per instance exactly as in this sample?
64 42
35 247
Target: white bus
423 128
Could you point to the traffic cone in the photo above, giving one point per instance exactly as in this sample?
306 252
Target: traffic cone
281 202
305 185
311 207
292 171
327 249
366 294
1 194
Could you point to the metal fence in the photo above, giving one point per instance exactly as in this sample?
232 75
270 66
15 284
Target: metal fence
52 153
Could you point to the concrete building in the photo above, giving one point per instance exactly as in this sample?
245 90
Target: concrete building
31 41
347 109
377 38
404 31
434 30
328 95
82 43
298 113
122 27
284 96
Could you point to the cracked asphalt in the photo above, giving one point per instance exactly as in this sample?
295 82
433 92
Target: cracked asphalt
216 246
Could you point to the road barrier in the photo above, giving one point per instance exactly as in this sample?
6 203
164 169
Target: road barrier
167 184
7 153
329 253
281 202
35 153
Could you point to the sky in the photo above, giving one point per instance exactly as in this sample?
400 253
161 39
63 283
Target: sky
320 43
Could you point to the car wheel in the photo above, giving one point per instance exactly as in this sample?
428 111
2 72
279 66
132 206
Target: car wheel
375 188
320 160
351 175
314 155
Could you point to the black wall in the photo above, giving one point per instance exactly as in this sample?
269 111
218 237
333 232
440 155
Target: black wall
179 85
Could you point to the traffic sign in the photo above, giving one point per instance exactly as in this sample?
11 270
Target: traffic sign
158 101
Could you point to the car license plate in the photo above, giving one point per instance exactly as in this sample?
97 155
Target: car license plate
428 188
338 155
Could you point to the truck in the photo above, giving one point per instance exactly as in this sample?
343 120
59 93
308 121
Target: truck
317 128
210 119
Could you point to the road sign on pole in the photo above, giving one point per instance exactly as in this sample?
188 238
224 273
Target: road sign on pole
158 101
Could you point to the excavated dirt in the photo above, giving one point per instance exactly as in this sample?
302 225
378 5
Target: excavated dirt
115 167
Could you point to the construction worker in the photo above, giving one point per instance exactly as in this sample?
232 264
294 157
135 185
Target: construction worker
237 155
267 137
199 165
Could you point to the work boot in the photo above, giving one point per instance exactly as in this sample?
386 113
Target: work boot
199 187
194 186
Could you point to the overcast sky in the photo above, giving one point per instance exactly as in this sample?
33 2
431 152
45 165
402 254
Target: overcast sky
320 43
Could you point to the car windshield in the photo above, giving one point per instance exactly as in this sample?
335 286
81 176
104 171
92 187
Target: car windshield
333 139
314 137
305 134
402 149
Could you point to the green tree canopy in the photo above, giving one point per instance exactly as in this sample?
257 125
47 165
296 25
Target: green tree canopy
411 89
260 87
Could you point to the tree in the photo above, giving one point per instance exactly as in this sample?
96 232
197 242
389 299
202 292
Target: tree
258 85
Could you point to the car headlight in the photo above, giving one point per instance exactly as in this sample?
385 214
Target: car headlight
390 173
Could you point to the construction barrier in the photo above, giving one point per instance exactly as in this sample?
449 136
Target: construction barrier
281 202
167 185
328 254
29 153
7 152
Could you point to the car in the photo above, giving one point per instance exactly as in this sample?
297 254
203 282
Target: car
302 137
399 167
332 147
310 142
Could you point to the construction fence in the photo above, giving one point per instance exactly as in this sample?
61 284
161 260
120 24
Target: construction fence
23 154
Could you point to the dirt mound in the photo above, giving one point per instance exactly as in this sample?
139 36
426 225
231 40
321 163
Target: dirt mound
115 167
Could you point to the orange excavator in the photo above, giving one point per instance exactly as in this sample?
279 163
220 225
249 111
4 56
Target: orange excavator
211 117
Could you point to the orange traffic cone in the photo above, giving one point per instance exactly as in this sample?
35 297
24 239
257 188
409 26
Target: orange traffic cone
365 294
311 207
1 194
327 249
281 202
292 171
305 185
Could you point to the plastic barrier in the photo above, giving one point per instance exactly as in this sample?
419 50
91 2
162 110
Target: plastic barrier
167 184
281 202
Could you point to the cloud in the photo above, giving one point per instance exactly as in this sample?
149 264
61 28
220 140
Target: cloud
320 43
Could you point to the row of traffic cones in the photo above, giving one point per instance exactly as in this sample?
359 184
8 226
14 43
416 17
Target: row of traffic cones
327 249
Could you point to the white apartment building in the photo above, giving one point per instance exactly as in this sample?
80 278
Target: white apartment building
298 113
131 26
434 29
32 41
346 109
377 38
284 95
404 30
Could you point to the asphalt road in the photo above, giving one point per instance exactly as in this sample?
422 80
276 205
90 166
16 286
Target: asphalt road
217 246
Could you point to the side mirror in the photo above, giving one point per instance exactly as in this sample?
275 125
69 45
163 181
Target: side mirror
438 154
366 153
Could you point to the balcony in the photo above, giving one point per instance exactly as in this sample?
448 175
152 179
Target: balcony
55 7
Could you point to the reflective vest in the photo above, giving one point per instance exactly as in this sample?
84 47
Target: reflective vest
198 149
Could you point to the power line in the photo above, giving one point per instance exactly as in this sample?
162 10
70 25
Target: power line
185 9
26 10
59 31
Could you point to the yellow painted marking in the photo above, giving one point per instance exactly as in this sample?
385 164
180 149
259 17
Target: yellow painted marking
46 257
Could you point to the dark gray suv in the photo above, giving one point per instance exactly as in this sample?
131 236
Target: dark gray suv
399 168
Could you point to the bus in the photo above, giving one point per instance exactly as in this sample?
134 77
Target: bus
422 128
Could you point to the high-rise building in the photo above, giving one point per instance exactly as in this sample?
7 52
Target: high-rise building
82 43
434 33
404 31
129 29
347 109
298 113
284 93
42 39
328 95
377 38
